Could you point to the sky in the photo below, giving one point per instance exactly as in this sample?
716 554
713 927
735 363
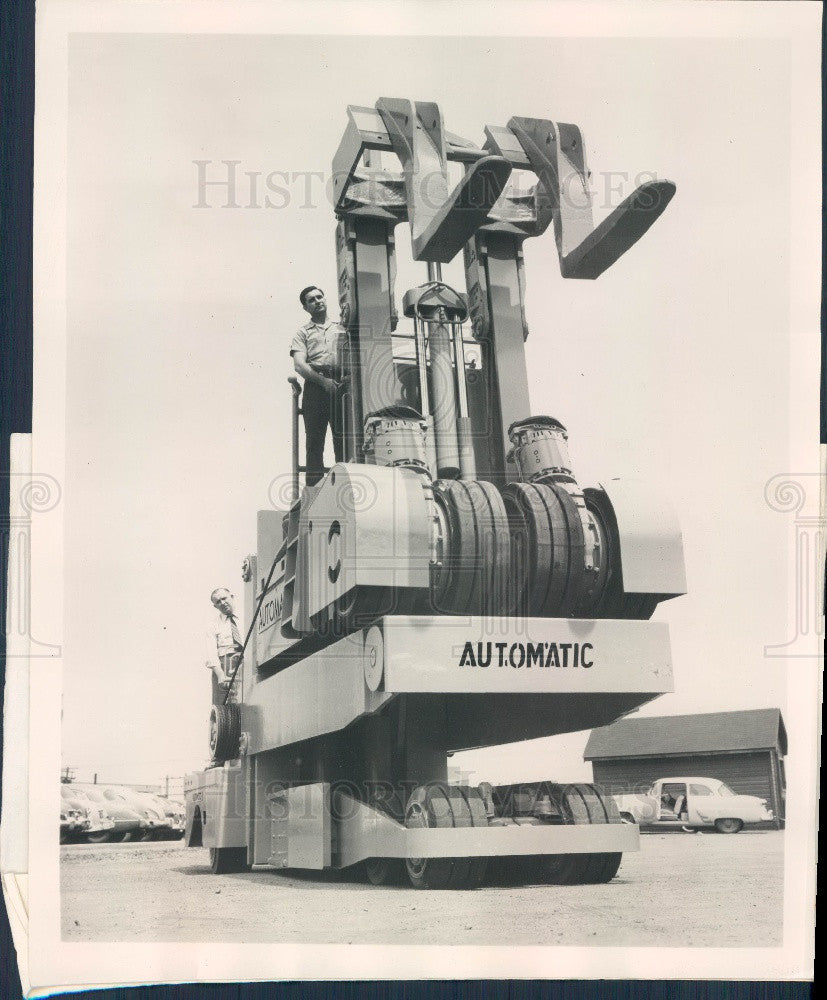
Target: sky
673 367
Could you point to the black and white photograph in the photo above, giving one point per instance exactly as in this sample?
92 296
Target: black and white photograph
423 563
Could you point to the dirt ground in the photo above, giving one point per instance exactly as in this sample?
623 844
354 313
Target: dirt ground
681 889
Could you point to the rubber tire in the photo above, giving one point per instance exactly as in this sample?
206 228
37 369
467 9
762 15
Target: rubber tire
443 805
452 585
531 547
614 602
495 593
582 804
98 837
479 817
729 825
227 860
597 581
476 575
385 871
225 732
426 807
546 537
576 580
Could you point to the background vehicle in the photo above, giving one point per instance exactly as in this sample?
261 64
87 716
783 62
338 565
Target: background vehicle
127 822
71 818
166 819
152 816
84 817
174 814
693 803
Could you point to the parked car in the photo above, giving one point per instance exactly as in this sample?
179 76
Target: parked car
691 804
180 817
128 824
166 825
81 817
71 819
153 819
174 815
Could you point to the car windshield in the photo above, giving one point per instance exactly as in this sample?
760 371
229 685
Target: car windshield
724 789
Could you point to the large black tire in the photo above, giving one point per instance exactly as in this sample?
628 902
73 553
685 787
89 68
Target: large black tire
225 732
226 860
385 871
531 561
475 574
612 601
441 805
581 804
576 579
547 549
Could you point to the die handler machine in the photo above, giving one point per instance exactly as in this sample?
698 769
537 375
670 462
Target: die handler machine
450 585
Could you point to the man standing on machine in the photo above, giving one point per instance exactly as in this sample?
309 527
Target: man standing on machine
224 646
315 357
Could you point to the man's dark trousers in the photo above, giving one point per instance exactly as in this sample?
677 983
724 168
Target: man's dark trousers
319 408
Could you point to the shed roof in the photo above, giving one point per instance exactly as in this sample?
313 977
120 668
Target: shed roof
754 729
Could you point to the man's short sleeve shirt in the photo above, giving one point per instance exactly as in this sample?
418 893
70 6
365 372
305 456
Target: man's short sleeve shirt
320 343
219 637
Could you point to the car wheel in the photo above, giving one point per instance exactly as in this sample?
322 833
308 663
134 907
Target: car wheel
98 837
728 825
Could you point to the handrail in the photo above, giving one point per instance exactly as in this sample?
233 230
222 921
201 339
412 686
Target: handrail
297 391
294 382
264 590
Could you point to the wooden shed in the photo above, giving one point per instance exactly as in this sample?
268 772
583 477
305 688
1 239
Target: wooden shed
744 749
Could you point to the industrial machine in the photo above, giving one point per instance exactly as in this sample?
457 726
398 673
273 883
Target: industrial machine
451 584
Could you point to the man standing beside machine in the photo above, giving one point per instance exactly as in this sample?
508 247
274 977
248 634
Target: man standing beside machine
224 646
314 349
